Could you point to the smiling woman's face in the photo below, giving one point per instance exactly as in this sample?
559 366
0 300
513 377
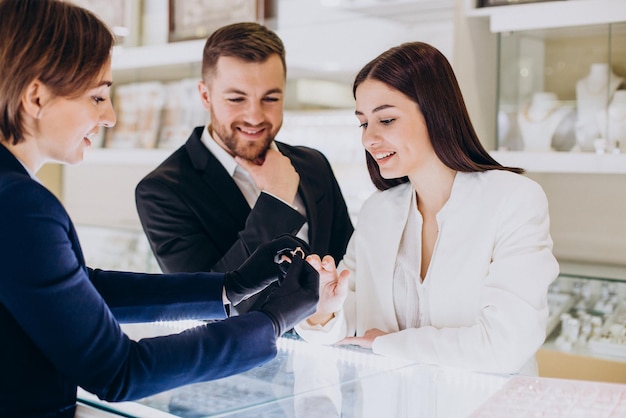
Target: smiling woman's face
65 126
393 129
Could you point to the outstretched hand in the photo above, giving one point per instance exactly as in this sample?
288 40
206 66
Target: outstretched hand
333 288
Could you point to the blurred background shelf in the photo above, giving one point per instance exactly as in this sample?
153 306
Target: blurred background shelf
563 162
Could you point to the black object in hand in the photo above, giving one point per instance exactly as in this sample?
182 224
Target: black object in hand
295 298
259 270
283 258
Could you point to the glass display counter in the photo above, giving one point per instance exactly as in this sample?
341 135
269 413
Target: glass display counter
305 380
586 333
588 316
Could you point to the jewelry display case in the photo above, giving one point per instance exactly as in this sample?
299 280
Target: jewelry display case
588 316
562 89
307 380
586 333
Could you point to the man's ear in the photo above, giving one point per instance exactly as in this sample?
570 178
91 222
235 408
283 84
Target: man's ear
34 98
203 90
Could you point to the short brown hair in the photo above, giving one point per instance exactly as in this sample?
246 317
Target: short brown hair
61 44
423 74
248 41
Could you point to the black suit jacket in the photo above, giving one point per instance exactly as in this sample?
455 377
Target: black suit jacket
196 218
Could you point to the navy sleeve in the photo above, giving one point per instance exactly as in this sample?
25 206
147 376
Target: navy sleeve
134 297
58 305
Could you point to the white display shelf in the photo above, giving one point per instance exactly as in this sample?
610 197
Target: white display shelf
174 53
131 156
539 162
404 10
563 162
165 62
549 14
599 271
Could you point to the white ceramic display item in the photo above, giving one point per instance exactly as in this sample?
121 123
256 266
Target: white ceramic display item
593 94
540 120
612 122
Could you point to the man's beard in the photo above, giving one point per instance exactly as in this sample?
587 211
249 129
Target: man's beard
253 151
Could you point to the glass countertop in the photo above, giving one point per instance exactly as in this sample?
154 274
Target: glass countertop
306 380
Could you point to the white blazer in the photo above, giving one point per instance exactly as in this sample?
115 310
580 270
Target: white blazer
486 284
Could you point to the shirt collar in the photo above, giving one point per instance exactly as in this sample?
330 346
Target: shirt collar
30 173
227 160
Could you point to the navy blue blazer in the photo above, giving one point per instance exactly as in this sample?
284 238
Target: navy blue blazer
197 219
59 319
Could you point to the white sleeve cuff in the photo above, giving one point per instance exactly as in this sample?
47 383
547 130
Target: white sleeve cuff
278 198
305 326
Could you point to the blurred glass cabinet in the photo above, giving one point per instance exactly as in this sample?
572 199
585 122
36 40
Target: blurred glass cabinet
562 89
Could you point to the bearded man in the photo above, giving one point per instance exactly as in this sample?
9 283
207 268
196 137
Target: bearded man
231 187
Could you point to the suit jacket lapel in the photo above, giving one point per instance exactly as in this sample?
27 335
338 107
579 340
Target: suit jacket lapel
9 162
215 176
391 220
309 195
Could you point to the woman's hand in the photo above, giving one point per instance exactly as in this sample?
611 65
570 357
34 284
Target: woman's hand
333 288
365 341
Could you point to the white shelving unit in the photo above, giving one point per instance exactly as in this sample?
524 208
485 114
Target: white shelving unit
150 56
563 162
400 10
572 14
126 157
169 61
549 14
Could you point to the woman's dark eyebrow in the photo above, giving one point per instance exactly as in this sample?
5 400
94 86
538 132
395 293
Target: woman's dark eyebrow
376 109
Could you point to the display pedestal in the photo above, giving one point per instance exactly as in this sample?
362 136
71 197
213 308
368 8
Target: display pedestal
539 121
593 93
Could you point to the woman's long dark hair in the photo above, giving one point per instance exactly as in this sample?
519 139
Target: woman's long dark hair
423 74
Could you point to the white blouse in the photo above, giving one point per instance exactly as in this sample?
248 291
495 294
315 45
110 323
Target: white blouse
483 305
408 287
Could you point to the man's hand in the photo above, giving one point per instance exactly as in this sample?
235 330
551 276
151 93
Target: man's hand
275 176
260 269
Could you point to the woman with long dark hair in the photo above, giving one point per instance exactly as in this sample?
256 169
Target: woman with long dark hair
451 259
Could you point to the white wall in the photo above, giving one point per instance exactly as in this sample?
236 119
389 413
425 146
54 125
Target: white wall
335 42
